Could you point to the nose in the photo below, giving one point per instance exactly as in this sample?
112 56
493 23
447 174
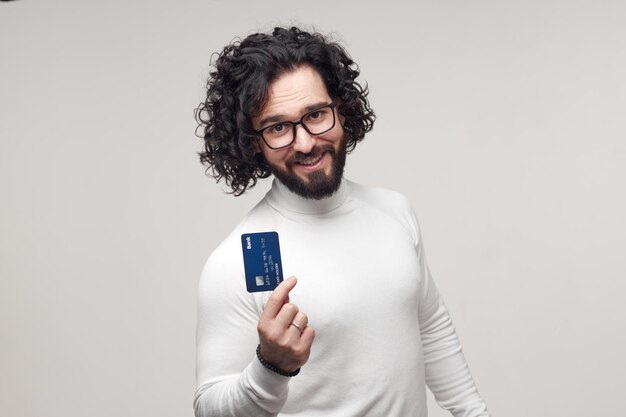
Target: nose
304 141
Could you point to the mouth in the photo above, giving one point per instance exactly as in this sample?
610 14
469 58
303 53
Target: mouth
312 162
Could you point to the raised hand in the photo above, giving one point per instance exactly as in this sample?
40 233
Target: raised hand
284 334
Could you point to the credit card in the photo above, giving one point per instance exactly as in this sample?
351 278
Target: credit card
261 261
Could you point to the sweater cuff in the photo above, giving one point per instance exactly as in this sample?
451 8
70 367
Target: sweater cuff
265 383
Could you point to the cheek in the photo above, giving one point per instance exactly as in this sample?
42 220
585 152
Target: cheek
339 132
276 158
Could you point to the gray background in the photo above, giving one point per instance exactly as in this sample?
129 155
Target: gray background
502 121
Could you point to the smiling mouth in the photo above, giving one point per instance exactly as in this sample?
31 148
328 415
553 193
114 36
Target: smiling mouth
311 160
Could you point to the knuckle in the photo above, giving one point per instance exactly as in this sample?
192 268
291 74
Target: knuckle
283 344
273 339
302 355
263 327
290 308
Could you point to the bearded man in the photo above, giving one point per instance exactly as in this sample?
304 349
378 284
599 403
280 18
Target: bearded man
362 330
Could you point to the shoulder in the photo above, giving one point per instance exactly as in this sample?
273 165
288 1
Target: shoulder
224 266
256 218
389 202
222 285
382 197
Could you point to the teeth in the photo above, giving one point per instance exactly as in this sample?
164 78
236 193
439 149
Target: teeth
311 161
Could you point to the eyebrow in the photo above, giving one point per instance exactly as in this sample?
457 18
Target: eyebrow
276 118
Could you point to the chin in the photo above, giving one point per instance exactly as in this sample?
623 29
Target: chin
317 185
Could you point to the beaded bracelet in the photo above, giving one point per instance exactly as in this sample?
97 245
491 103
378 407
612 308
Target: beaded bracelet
272 367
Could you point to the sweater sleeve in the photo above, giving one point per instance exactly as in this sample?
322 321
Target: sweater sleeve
447 372
230 379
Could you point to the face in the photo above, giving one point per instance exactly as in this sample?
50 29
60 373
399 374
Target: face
312 166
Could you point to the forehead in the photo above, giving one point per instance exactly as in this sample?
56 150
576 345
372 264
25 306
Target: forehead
293 93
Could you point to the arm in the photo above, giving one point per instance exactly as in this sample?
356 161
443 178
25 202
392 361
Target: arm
447 373
254 392
230 379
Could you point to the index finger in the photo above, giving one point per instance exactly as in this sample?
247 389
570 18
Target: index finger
278 298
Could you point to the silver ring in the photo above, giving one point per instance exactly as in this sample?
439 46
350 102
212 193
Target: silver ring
297 327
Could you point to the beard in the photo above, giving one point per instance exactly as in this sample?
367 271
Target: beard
319 184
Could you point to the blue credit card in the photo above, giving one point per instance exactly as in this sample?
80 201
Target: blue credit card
261 261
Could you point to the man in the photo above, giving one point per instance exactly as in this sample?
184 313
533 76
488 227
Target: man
362 328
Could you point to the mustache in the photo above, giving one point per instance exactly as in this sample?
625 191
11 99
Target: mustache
315 152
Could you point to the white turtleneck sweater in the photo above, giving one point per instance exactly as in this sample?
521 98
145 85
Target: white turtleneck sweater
382 330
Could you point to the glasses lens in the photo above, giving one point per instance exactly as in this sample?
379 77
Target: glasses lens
278 135
319 121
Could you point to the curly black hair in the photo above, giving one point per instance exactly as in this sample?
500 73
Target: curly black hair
237 89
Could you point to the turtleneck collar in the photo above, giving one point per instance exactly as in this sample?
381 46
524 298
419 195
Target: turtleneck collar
280 196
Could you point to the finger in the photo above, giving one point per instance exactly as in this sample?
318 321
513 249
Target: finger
295 329
286 315
307 337
279 297
299 322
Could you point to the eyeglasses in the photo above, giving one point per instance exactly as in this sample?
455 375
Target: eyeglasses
316 122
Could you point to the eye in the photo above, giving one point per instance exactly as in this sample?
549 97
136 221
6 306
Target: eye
315 115
277 128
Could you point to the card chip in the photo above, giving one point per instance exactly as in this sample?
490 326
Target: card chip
260 281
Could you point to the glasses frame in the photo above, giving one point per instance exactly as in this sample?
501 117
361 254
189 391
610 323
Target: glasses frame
332 105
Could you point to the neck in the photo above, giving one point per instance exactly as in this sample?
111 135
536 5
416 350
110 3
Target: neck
280 195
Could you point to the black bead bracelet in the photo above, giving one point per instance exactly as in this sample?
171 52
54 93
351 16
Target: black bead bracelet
272 367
